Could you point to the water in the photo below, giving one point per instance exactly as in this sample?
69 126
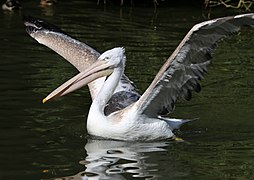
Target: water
47 141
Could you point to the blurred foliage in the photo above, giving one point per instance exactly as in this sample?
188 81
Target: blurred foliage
246 5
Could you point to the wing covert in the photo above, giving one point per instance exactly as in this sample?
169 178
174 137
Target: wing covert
181 73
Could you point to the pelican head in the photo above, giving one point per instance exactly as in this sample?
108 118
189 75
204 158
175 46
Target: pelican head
104 66
115 57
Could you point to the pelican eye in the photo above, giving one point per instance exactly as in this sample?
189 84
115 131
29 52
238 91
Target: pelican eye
106 58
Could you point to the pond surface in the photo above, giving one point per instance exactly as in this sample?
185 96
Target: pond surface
47 141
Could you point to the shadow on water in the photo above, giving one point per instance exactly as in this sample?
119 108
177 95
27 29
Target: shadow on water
45 141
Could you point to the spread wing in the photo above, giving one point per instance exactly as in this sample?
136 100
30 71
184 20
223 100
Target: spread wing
187 65
79 54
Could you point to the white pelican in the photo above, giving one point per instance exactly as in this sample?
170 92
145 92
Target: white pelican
141 118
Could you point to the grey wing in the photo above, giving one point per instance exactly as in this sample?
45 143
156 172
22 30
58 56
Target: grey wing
187 65
75 52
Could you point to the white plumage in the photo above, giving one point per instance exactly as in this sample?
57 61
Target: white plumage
138 117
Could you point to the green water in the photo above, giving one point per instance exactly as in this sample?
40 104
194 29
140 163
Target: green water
47 141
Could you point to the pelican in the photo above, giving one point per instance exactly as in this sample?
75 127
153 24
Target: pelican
118 111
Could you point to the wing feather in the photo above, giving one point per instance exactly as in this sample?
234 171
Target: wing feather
79 54
187 65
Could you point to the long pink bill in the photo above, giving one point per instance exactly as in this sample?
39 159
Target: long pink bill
97 70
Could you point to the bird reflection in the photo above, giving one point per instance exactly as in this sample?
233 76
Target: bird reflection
108 159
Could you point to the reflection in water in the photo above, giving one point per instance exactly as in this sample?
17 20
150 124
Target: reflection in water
112 159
